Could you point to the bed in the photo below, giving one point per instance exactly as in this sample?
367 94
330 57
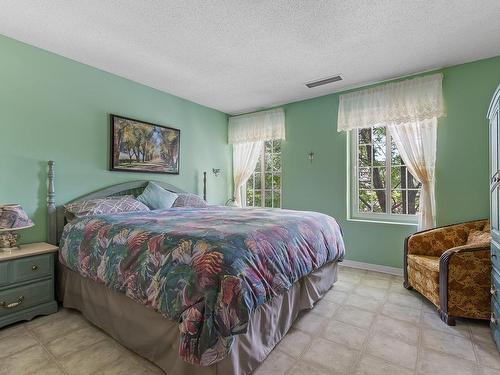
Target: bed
194 290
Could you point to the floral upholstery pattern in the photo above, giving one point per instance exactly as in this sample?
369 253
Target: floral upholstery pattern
424 276
469 281
435 242
206 268
451 267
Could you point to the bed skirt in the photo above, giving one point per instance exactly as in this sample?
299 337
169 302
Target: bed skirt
156 338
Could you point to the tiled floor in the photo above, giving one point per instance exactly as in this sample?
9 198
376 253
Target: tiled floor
367 324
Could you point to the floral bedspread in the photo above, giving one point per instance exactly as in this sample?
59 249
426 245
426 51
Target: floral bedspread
207 268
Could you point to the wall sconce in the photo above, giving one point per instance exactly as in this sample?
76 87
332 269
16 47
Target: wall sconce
216 172
311 155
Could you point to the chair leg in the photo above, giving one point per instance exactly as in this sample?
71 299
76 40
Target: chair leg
450 320
407 285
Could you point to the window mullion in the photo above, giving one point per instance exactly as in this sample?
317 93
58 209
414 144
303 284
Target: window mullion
262 176
388 170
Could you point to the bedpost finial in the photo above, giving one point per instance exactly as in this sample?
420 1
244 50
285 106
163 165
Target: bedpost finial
51 205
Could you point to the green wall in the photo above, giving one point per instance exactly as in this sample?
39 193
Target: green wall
461 170
53 108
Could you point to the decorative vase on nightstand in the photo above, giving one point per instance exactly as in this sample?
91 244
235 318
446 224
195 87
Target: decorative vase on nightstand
12 218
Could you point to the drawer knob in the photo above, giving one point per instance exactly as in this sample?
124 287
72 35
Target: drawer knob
34 268
11 305
493 291
493 319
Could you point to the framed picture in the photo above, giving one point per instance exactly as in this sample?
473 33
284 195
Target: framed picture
139 146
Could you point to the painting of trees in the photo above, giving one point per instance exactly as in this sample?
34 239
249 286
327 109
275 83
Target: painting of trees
144 147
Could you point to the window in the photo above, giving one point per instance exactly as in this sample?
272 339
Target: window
263 188
382 188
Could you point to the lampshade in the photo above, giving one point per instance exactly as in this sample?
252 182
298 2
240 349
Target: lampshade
12 216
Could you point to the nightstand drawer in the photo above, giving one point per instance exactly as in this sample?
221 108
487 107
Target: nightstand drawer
17 299
4 273
31 268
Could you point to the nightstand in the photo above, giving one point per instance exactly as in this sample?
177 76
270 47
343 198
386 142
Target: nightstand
27 282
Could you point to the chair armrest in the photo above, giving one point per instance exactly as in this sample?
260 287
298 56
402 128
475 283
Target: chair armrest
435 242
464 281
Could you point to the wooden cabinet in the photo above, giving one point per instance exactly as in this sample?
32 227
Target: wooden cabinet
27 283
494 120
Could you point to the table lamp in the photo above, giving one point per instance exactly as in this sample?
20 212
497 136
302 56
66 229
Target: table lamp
12 218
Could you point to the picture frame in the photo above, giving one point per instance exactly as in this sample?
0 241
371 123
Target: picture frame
144 147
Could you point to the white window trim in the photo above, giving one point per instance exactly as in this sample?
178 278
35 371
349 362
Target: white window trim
352 190
263 182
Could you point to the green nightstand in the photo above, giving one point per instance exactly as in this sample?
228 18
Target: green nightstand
27 283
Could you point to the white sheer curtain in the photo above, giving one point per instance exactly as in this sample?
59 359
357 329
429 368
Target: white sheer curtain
247 134
410 109
416 142
245 158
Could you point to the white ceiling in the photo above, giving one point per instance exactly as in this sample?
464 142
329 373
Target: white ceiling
243 55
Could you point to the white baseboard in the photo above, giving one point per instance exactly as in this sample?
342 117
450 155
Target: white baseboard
372 267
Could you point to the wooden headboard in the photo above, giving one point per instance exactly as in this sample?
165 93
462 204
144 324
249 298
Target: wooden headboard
55 214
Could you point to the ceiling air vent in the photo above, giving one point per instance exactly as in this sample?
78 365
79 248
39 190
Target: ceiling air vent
324 81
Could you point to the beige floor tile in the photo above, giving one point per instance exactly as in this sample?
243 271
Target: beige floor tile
53 328
406 299
92 359
310 322
126 364
396 328
374 293
336 357
344 286
481 331
303 368
406 314
15 343
447 343
345 334
60 314
489 371
432 320
294 343
50 369
397 286
354 316
325 308
488 355
350 277
378 275
428 306
27 362
275 364
370 365
366 303
75 341
376 282
355 271
431 362
336 296
12 329
392 350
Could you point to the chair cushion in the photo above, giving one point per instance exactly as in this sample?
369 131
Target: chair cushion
423 275
479 236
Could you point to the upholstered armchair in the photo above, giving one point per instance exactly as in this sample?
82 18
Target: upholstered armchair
451 267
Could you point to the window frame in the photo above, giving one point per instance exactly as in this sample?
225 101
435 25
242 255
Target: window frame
353 186
263 180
